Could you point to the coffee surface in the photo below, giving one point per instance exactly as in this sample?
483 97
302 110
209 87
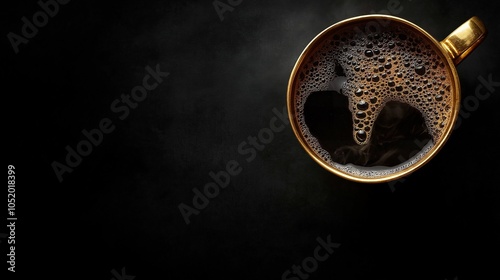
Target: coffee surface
385 77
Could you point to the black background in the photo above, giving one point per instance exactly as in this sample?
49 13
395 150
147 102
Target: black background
119 207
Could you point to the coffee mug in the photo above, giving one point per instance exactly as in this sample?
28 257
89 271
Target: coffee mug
373 98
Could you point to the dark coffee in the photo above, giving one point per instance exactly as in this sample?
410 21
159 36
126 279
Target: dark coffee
373 104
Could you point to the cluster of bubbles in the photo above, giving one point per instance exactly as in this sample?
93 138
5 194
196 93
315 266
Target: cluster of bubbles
395 64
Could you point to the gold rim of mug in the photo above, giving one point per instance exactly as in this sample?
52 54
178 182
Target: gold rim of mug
399 174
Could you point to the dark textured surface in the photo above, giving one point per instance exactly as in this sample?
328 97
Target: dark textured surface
119 206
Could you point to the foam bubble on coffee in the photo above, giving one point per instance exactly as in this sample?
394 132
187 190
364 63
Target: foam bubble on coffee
395 64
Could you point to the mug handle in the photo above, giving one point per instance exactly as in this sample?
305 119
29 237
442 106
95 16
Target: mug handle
464 39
